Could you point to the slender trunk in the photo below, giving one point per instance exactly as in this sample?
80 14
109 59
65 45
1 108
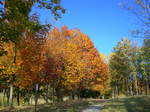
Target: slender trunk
53 92
47 93
58 94
136 86
127 89
72 95
12 79
103 97
131 89
36 96
116 91
18 98
31 100
139 88
3 97
11 96
142 91
79 93
112 95
7 93
147 87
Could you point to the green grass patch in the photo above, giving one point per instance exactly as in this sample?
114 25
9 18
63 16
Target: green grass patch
128 104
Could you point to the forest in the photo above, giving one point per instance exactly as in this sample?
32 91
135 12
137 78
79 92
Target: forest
45 64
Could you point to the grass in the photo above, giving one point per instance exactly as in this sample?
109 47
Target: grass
128 104
68 106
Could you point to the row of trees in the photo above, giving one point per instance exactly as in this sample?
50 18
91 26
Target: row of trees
63 64
130 68
17 22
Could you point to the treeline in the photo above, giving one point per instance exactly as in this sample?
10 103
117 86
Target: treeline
130 68
64 63
36 61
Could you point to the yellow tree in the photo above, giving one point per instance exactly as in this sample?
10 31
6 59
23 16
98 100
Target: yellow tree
96 70
74 66
63 65
9 64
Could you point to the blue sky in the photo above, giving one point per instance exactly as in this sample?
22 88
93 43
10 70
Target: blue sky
104 21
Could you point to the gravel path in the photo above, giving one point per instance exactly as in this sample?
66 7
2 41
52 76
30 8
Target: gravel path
93 108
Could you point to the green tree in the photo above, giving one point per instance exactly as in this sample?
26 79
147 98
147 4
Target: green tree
145 63
119 67
134 70
17 18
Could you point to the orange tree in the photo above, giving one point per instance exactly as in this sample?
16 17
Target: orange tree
76 62
31 64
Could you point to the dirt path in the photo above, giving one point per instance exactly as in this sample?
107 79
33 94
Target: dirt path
94 108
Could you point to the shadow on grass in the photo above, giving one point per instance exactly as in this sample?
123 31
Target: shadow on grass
137 104
71 106
129 104
75 107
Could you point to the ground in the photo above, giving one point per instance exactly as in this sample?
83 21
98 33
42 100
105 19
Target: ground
68 106
128 104
93 108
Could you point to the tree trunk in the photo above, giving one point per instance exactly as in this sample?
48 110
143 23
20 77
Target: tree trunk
103 97
31 100
47 93
11 96
113 94
136 87
78 91
116 91
131 90
147 87
3 98
18 98
72 96
12 79
59 94
36 96
7 93
53 93
142 89
127 88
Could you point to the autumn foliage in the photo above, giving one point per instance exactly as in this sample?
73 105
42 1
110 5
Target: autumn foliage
65 61
76 62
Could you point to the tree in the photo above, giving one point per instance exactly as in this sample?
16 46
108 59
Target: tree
67 69
73 63
17 18
54 63
145 63
16 21
32 60
129 68
96 70
8 74
120 67
134 70
141 9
